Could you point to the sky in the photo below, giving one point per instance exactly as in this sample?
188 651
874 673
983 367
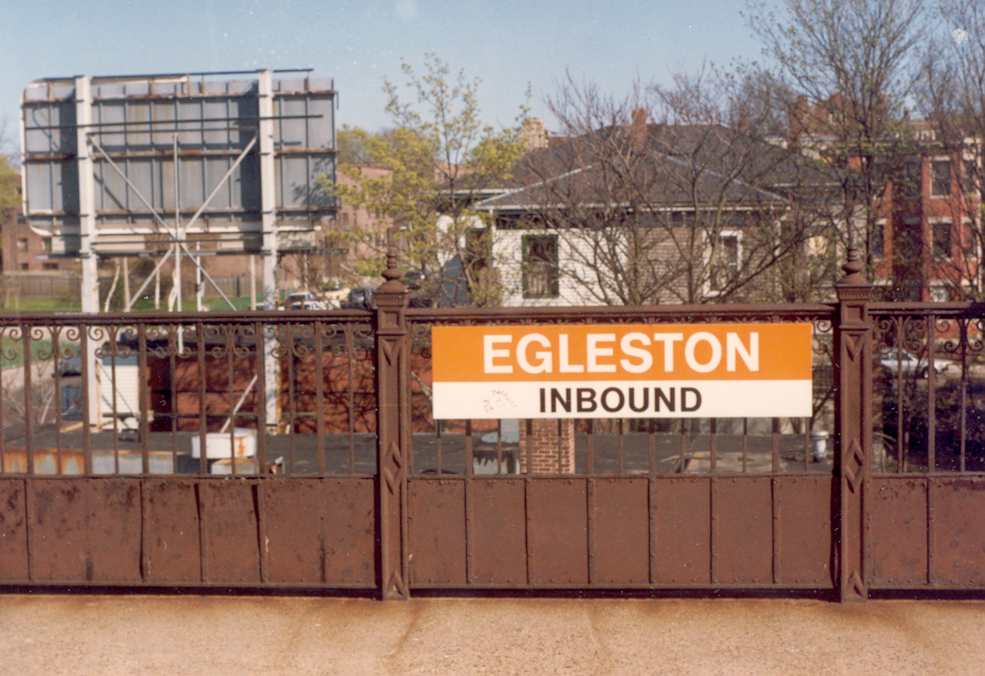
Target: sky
508 44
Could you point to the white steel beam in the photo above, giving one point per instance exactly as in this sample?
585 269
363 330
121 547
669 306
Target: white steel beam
87 234
268 247
268 189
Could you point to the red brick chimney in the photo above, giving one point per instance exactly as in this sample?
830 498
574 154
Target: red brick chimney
637 129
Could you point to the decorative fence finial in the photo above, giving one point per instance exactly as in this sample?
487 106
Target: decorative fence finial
853 262
854 268
392 272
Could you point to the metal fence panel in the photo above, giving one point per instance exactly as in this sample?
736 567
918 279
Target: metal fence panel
172 552
497 533
58 519
682 531
13 531
437 532
557 532
619 522
803 535
230 547
113 531
897 532
350 532
742 530
957 531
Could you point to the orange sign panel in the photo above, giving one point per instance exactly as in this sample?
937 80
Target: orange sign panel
622 370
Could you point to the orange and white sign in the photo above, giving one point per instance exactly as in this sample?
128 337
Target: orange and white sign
622 371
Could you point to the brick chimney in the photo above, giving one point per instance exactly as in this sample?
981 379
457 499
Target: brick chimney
533 134
637 128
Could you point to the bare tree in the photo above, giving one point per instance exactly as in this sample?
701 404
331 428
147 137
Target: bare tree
952 98
854 65
674 194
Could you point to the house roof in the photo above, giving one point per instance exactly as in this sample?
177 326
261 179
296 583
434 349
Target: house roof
663 166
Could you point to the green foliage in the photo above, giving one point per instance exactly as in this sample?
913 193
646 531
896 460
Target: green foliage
9 182
424 175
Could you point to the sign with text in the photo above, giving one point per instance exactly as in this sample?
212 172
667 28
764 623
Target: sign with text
622 371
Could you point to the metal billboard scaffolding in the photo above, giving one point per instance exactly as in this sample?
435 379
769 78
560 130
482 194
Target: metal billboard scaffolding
179 166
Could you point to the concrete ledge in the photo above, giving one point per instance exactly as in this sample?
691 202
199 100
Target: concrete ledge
194 634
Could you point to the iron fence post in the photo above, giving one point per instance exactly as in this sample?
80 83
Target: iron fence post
393 432
853 425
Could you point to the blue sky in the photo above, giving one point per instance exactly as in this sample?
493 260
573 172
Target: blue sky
507 43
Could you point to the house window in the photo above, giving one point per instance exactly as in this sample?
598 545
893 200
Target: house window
940 184
22 244
878 245
969 181
49 266
46 244
725 267
540 266
938 293
942 240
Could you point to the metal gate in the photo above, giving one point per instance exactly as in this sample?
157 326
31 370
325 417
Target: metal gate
357 488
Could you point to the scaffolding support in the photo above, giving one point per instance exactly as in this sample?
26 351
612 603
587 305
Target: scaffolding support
89 135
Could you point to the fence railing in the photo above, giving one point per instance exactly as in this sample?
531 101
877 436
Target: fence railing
899 390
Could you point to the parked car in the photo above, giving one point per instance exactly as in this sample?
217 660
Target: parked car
902 361
299 297
315 305
359 298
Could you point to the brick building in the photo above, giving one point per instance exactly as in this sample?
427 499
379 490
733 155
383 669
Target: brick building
24 250
924 244
926 241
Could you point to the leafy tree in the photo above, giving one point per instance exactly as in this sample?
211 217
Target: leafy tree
9 180
424 174
8 185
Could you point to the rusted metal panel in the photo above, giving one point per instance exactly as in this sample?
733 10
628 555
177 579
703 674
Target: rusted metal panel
498 532
57 530
958 532
293 514
620 531
743 532
803 530
317 532
350 532
393 431
557 531
13 531
437 532
113 530
897 531
230 548
681 530
171 531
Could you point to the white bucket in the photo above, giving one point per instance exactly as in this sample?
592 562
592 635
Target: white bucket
217 444
820 443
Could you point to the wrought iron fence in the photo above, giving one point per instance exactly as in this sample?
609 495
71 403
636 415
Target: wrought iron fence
628 446
269 393
298 449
